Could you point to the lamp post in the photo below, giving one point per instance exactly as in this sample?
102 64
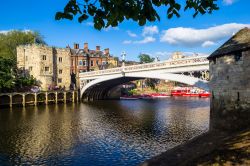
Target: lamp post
123 62
123 58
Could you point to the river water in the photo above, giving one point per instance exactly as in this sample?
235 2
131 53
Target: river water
99 133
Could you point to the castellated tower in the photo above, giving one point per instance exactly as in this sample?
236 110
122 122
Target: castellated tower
49 65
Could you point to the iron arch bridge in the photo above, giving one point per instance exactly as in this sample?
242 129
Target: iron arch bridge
193 71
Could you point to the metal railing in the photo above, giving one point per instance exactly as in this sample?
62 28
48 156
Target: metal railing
155 65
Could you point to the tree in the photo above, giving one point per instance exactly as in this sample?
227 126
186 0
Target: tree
11 78
7 80
105 13
10 40
144 58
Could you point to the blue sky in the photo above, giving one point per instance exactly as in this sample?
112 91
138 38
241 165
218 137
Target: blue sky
200 35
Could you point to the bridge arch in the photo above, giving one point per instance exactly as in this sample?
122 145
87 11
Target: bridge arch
94 88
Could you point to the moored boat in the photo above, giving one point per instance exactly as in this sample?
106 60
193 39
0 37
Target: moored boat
159 95
204 94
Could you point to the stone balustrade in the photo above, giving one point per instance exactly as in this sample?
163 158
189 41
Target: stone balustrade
151 66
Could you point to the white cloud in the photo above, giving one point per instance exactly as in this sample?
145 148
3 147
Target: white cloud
207 44
91 24
147 39
127 42
131 34
150 30
4 32
7 31
110 28
200 37
228 2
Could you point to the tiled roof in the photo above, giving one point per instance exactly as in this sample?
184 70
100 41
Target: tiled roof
240 41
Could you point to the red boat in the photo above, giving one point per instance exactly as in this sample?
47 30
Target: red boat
189 92
204 94
176 93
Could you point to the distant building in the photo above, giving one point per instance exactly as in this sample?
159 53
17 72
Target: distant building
177 55
53 66
230 83
49 65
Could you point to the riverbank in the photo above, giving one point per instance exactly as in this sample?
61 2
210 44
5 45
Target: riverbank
211 148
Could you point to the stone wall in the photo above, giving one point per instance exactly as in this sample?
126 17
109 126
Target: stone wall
230 88
64 66
42 62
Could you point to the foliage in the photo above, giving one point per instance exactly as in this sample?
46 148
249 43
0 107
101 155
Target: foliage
144 58
151 83
6 74
10 40
107 13
10 77
25 81
132 92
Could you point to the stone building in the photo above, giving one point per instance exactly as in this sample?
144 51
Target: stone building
49 65
53 66
177 55
230 83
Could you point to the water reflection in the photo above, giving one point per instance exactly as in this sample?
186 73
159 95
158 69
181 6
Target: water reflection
99 133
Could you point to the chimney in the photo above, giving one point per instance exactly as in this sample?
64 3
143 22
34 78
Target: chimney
106 51
86 47
76 46
98 48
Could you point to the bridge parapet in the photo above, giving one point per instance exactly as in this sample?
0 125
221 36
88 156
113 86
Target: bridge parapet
198 60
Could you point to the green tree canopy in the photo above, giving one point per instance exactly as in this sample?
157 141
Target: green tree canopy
144 58
11 79
107 13
10 40
6 74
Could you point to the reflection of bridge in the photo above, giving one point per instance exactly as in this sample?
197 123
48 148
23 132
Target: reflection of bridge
192 71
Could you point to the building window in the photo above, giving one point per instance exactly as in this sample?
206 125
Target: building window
59 80
238 56
72 62
30 68
60 59
84 63
104 62
91 63
44 57
80 63
46 69
60 71
97 62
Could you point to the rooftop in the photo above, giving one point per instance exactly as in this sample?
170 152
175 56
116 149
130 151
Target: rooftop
240 41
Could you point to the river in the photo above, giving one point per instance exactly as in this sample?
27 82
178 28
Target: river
113 132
